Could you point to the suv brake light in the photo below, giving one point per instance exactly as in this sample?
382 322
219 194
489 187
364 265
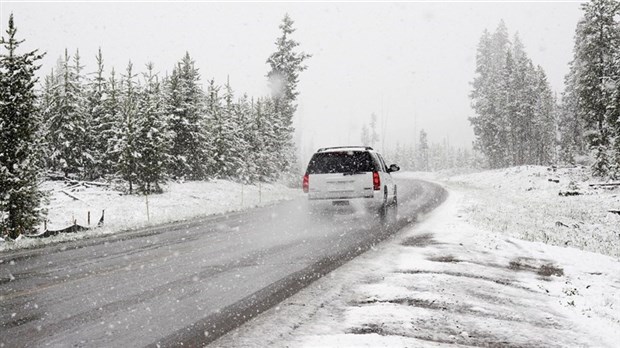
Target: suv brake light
306 183
376 181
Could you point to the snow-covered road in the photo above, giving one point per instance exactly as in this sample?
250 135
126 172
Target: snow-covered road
185 282
446 282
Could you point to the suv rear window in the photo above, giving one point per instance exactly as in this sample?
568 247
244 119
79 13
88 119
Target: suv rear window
341 162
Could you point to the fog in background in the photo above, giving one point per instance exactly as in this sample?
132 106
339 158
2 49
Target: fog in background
410 63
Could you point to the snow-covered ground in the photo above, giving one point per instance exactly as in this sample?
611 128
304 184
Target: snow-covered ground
180 201
525 203
462 276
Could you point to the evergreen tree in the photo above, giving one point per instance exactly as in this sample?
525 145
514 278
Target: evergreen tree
263 141
594 70
374 136
66 133
152 138
83 134
544 121
46 107
20 197
127 142
286 64
409 161
224 131
109 127
515 110
243 119
271 140
365 136
397 156
570 124
255 136
97 125
483 95
423 152
185 103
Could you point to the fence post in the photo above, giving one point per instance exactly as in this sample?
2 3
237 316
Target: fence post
148 215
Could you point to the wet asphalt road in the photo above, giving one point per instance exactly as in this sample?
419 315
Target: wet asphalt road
184 283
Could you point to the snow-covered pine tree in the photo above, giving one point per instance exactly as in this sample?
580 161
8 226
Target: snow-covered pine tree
570 125
262 142
544 122
613 120
224 131
216 129
273 152
501 68
20 197
109 127
46 108
365 136
243 119
506 119
254 139
397 156
423 152
66 125
84 134
409 157
92 103
97 125
233 133
186 116
484 98
374 136
152 138
286 63
595 70
520 108
511 98
127 142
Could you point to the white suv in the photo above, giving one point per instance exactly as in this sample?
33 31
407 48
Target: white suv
351 176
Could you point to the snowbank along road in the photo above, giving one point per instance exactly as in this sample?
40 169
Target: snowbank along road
185 283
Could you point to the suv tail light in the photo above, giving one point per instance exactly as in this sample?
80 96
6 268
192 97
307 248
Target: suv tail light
376 181
306 184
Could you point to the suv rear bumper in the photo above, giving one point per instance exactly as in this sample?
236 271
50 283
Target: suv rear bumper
346 204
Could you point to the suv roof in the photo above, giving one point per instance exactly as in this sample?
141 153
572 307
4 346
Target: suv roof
345 148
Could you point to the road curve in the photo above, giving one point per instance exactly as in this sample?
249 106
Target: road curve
184 283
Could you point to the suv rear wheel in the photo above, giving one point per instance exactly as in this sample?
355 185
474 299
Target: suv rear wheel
383 209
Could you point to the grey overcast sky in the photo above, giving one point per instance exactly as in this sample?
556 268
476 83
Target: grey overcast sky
410 63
